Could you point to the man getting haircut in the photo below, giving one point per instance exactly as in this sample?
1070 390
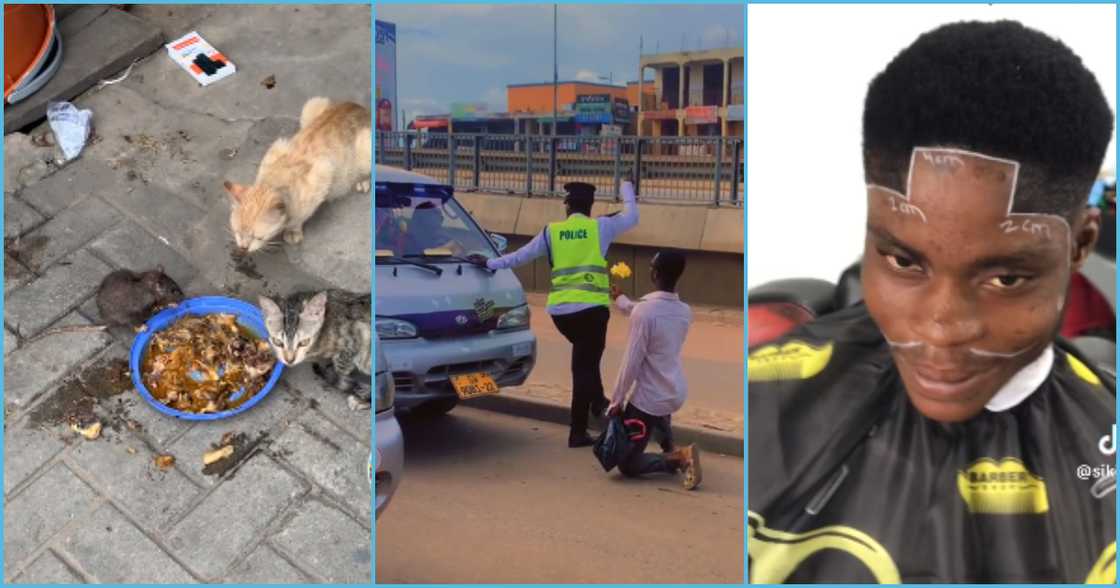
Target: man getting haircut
938 431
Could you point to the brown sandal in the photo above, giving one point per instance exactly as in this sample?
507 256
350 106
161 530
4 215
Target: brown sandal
692 472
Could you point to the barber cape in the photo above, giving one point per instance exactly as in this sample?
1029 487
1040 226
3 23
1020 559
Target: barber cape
849 483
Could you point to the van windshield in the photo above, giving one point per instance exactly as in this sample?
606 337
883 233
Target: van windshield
428 226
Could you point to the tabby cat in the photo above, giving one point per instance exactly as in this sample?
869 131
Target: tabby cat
330 328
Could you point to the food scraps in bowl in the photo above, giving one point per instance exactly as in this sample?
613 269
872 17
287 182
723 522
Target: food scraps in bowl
206 363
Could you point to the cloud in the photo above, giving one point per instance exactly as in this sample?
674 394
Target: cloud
496 99
469 52
432 14
417 106
586 75
718 35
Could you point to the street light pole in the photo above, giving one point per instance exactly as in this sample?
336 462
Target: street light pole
555 75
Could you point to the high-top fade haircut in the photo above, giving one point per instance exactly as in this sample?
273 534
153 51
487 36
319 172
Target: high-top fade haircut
999 89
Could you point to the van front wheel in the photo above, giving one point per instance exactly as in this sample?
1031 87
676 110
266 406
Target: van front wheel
438 407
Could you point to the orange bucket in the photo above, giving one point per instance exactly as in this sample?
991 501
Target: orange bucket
28 30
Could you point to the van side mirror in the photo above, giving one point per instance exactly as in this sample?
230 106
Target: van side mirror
500 242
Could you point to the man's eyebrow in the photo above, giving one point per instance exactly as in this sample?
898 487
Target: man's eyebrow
1027 257
888 237
1030 256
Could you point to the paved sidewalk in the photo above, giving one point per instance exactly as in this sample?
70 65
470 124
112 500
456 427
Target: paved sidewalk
293 505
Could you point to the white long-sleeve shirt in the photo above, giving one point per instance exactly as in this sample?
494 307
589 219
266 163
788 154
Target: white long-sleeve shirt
651 364
610 227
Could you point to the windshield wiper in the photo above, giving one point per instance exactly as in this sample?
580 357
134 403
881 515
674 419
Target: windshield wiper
397 260
455 258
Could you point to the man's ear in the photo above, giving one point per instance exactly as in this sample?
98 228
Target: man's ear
1086 231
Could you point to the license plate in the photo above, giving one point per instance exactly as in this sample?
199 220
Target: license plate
473 385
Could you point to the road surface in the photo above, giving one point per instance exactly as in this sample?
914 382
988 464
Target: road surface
712 355
491 498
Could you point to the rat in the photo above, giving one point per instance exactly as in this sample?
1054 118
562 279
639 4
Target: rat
128 299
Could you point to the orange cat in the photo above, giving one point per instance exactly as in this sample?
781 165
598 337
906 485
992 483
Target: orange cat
325 159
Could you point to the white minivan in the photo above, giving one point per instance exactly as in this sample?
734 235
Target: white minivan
451 330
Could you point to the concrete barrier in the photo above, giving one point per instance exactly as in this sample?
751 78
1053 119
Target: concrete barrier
712 236
695 228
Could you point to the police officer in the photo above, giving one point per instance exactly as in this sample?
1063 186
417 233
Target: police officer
579 299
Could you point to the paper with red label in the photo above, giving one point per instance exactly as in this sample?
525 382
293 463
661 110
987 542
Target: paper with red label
200 59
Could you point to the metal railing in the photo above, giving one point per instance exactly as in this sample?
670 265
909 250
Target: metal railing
699 170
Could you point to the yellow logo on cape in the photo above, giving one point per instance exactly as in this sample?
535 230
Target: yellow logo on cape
1083 370
1104 572
795 360
775 555
1003 487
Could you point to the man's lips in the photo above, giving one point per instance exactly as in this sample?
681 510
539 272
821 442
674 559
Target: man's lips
947 382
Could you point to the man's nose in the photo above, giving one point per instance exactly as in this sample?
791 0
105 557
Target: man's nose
949 317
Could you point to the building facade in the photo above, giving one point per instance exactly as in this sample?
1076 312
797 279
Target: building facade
695 94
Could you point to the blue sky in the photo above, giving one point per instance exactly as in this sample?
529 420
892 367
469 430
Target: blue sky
469 53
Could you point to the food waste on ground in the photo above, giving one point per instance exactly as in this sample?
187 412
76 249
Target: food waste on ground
200 363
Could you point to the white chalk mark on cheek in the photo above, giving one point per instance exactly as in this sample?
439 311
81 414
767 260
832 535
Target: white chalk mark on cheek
903 344
972 350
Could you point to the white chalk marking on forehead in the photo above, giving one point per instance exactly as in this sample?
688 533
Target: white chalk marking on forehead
954 158
1016 221
900 203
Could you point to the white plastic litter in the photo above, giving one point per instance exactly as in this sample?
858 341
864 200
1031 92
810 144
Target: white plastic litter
71 127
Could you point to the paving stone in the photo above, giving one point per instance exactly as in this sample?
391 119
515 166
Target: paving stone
337 244
153 497
161 213
129 246
267 270
143 421
25 451
330 402
264 566
330 458
72 184
176 152
24 163
48 569
56 293
68 231
110 548
28 371
42 510
259 491
268 418
339 63
329 543
15 274
18 217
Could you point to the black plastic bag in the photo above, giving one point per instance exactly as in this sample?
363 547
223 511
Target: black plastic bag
611 446
617 440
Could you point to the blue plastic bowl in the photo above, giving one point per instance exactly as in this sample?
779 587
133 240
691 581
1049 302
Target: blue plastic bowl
248 316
